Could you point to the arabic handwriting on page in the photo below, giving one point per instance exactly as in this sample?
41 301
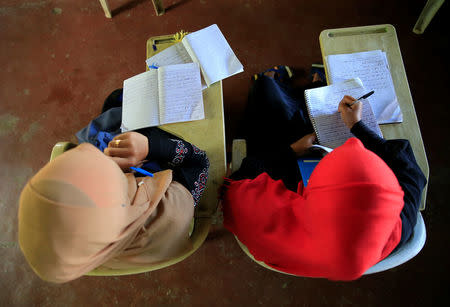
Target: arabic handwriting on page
140 101
333 132
373 70
323 107
175 54
180 93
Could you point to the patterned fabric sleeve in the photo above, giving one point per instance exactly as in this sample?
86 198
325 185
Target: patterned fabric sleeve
190 164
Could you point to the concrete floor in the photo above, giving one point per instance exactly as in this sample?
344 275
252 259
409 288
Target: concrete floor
60 59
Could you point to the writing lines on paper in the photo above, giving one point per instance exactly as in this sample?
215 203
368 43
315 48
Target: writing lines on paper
323 106
370 68
373 70
140 101
180 93
333 132
329 100
173 55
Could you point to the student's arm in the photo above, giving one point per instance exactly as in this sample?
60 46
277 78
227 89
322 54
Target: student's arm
281 163
398 155
276 165
190 165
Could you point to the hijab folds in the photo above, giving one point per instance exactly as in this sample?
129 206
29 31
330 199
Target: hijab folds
346 220
81 211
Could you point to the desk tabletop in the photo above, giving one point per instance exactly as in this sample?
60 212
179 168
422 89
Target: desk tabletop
382 37
207 134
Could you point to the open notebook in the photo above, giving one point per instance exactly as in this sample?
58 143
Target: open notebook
373 69
207 47
160 96
322 104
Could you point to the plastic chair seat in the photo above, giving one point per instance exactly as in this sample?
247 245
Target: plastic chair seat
201 225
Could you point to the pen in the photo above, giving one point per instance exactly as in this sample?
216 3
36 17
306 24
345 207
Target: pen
142 171
362 97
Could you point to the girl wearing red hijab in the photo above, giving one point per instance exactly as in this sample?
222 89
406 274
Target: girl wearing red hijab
361 201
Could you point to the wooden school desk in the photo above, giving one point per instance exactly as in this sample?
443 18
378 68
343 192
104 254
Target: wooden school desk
207 134
382 37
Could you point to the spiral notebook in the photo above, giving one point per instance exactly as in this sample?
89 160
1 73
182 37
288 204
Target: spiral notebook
322 104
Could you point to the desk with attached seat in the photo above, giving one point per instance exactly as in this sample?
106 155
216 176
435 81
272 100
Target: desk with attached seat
358 39
384 38
207 134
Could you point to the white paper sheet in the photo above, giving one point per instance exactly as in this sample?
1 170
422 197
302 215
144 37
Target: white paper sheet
373 70
323 103
180 93
322 148
175 54
211 50
140 101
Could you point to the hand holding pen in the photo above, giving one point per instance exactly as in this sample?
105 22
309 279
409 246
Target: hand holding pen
351 110
350 115
128 149
362 97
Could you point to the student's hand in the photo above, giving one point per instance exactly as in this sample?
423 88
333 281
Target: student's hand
350 115
302 146
128 149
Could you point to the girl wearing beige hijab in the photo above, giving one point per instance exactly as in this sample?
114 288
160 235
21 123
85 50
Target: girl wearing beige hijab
84 209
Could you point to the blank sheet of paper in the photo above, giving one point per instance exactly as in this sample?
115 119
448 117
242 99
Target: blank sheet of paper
180 93
211 50
373 70
323 105
140 101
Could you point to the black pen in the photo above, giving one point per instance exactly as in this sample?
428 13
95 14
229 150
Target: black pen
362 97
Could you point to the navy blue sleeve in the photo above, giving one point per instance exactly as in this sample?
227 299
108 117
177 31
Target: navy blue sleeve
190 164
279 164
399 156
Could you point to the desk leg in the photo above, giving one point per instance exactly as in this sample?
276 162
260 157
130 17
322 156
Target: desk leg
105 7
159 8
239 152
428 12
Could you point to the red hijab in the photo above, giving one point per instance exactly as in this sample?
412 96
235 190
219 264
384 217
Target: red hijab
346 220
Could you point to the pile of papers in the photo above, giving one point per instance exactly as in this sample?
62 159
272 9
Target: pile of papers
171 91
372 68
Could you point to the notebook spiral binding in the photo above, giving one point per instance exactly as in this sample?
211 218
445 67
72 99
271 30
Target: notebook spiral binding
311 118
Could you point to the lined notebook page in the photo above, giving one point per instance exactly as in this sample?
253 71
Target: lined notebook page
140 101
322 104
211 50
373 70
180 93
175 54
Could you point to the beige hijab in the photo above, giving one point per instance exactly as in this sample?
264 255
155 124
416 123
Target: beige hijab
81 211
